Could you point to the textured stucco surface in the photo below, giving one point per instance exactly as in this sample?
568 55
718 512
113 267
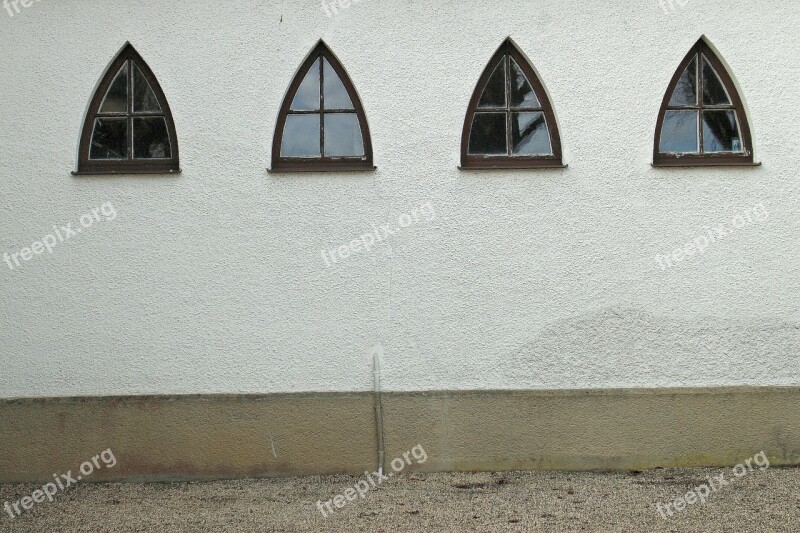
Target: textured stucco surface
212 281
202 437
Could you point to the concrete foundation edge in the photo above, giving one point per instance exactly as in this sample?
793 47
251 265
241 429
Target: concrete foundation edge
165 438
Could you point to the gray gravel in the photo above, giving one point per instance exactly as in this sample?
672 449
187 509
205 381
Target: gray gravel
766 500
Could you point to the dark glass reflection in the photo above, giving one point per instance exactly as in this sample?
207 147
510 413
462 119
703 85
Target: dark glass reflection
529 134
488 134
307 96
494 94
116 99
336 96
343 135
721 132
109 139
301 136
679 132
144 99
713 90
151 138
685 92
522 94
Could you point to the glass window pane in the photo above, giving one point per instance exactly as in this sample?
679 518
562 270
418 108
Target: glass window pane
713 91
343 135
721 132
144 99
685 92
307 97
336 96
109 139
522 94
116 99
494 94
488 134
301 136
151 138
679 133
529 134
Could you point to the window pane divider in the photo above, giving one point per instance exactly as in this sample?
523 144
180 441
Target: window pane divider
702 54
505 54
317 58
128 61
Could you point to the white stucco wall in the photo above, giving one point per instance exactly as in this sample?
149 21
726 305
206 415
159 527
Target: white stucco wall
213 282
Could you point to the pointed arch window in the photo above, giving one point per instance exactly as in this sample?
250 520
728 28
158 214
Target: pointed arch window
129 127
510 121
702 121
322 125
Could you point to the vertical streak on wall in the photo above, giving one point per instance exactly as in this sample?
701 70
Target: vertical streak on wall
376 374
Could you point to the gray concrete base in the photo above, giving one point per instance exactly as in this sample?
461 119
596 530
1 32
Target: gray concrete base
205 437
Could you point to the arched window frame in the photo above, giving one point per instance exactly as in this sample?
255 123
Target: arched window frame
509 50
323 163
667 159
129 165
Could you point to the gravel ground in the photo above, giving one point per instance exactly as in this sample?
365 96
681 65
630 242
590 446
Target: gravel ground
766 500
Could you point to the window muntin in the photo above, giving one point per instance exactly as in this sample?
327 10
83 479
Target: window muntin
129 127
322 125
702 120
510 122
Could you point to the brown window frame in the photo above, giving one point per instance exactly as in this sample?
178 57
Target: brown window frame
128 165
323 163
701 159
476 162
